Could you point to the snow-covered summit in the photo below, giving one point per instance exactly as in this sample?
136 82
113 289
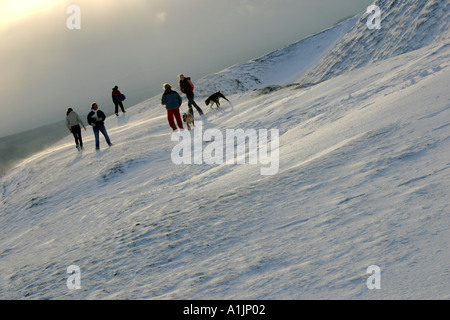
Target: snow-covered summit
406 25
280 67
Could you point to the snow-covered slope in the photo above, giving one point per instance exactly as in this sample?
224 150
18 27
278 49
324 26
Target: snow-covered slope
363 180
406 25
280 67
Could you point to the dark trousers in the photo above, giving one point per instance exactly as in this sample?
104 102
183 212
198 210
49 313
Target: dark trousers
97 129
174 113
117 104
191 102
76 131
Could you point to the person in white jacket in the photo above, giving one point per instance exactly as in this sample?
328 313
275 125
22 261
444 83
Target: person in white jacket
73 122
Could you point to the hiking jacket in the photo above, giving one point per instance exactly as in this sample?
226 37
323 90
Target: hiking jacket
91 118
171 99
186 86
116 96
73 119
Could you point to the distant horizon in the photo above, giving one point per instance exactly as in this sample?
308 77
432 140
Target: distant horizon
109 111
57 68
19 146
85 111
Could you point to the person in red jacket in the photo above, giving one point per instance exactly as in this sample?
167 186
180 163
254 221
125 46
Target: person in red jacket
117 98
187 87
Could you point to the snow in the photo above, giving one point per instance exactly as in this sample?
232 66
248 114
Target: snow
405 26
280 67
363 180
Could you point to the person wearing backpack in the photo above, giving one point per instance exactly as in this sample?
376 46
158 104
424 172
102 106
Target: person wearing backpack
117 98
187 87
73 122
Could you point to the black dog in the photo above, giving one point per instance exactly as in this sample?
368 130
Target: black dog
215 99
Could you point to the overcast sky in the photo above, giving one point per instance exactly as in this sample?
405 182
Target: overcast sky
137 45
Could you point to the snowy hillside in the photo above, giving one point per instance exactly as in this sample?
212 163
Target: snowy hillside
281 67
406 25
363 179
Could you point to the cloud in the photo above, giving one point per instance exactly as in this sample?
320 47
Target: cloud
161 17
47 67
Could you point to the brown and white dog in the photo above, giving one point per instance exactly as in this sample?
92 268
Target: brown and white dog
189 119
214 98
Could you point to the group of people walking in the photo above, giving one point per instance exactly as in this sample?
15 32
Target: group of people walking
96 118
172 100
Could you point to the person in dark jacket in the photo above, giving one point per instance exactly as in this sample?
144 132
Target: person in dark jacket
73 122
117 98
96 119
187 87
172 100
